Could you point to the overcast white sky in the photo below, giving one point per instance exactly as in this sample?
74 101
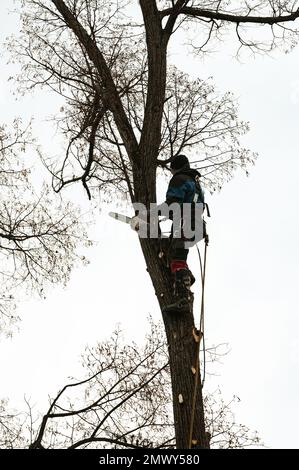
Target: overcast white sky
252 278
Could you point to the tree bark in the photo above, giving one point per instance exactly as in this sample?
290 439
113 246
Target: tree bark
182 354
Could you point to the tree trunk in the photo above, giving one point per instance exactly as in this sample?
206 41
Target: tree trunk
182 354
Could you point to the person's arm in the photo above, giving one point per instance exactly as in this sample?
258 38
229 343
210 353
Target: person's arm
176 191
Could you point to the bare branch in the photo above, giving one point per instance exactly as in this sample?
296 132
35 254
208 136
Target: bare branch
216 15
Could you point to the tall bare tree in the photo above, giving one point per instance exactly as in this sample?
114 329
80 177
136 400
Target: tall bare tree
127 113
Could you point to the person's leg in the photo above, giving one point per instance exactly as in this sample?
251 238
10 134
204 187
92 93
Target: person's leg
182 277
178 258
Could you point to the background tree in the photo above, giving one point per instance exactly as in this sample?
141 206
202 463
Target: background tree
127 114
38 233
125 402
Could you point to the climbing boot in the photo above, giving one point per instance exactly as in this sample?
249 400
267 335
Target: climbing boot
179 306
182 295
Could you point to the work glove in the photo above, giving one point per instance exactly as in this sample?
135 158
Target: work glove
135 223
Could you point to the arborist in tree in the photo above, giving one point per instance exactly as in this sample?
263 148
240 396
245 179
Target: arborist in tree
184 188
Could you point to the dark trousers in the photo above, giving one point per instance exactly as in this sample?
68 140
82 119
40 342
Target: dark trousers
173 249
177 250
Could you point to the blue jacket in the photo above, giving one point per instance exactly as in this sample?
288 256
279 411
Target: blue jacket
184 187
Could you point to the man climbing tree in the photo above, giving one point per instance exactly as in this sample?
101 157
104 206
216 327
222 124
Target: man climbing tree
184 205
184 189
128 113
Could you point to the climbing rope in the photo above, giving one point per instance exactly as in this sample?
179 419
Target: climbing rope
202 309
197 337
